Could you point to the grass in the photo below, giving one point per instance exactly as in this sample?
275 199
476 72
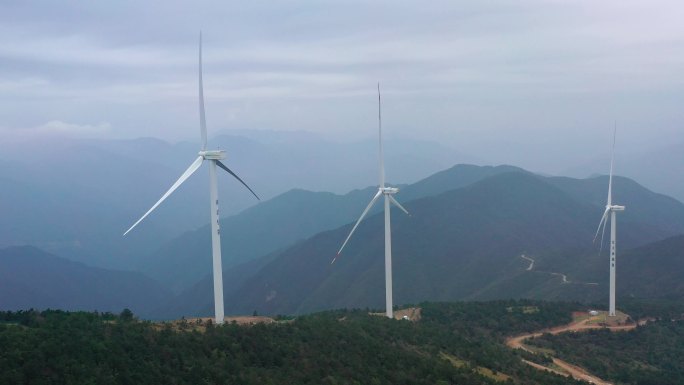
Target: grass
523 309
486 372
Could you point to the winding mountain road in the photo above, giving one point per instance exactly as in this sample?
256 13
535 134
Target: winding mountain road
564 277
568 369
531 266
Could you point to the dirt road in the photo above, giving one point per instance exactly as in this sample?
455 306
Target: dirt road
564 277
583 322
531 266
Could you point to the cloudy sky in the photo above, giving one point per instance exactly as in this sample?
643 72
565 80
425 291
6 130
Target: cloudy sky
465 73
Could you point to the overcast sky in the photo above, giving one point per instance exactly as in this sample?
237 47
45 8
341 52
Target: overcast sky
462 73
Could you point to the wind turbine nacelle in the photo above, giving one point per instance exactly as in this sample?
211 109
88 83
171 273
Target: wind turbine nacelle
213 154
389 190
617 208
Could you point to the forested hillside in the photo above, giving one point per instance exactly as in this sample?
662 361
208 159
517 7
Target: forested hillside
648 355
451 344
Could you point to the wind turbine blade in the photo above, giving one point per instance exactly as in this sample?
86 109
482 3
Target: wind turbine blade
603 233
193 167
203 120
381 156
398 205
223 166
610 177
602 224
372 202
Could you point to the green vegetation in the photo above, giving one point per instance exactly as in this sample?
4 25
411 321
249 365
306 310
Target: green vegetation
665 309
647 355
452 344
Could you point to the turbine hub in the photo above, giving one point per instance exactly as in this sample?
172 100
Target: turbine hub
213 154
389 190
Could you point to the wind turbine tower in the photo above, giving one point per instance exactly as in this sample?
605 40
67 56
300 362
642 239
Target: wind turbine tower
387 193
214 157
612 210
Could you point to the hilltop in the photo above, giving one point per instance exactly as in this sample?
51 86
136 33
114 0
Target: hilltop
452 343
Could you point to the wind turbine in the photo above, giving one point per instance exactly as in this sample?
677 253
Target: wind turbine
388 193
214 157
610 209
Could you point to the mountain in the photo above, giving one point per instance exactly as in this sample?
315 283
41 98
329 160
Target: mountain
655 270
31 278
653 168
60 206
642 205
75 197
259 230
282 221
450 247
465 243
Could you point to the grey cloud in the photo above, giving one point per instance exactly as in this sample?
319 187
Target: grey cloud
466 73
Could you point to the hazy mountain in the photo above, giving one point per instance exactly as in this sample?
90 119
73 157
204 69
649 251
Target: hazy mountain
76 200
199 298
463 244
642 205
284 220
31 278
655 270
658 169
276 223
75 197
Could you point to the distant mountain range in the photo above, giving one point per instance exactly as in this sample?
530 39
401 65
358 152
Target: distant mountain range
468 229
75 197
657 169
31 278
282 221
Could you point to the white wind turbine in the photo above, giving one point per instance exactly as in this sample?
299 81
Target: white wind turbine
612 209
387 192
214 157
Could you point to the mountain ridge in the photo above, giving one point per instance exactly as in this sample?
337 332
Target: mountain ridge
531 284
32 278
281 221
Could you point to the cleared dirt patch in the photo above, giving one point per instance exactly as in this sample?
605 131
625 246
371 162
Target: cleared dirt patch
581 321
250 320
200 324
411 314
